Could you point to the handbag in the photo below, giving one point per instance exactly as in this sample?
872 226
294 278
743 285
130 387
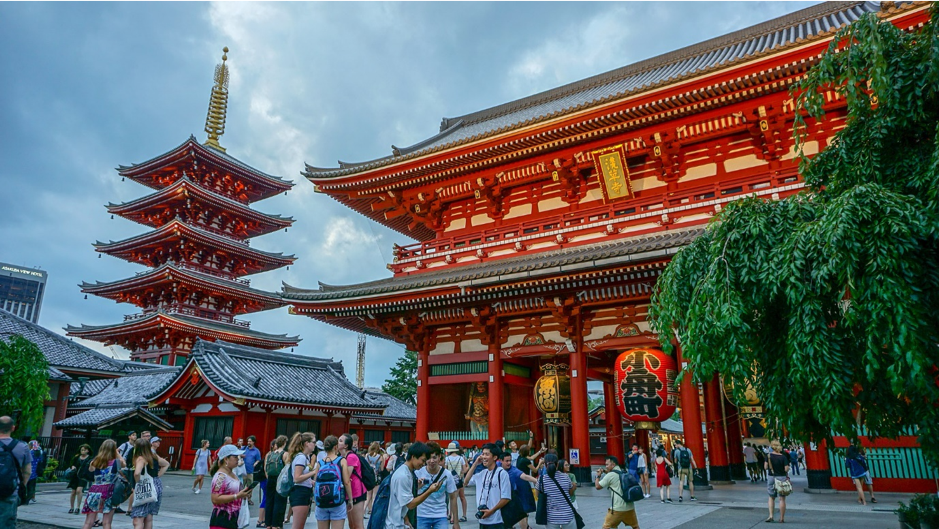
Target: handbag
541 508
783 487
285 481
70 474
577 518
244 515
144 491
670 471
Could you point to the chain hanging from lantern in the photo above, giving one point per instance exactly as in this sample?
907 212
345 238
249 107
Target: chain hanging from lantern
553 394
645 386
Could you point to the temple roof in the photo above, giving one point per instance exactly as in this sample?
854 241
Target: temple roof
92 388
176 228
257 375
191 148
171 272
196 326
795 29
62 353
100 418
184 187
135 389
578 258
396 409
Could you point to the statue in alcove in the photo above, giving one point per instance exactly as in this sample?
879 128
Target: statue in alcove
478 410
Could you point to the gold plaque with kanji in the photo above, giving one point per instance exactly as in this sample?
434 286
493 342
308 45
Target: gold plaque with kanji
612 172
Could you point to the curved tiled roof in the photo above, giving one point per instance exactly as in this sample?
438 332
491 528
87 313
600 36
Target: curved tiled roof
252 373
517 267
800 27
92 388
396 409
60 352
134 389
103 417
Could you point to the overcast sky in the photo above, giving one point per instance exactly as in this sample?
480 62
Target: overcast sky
87 87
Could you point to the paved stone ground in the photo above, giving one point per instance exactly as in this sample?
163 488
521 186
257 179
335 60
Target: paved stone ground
738 506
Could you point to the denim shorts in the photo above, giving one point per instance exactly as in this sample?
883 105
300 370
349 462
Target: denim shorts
332 513
424 522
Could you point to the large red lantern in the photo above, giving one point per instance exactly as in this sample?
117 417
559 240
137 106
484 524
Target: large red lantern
645 385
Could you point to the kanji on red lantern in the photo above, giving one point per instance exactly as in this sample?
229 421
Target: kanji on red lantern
645 385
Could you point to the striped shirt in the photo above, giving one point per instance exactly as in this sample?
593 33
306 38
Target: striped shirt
559 512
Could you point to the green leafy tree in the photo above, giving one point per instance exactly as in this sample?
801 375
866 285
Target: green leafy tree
24 382
829 300
402 384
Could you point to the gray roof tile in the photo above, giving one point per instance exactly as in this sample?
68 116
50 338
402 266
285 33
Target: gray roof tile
133 389
396 408
104 417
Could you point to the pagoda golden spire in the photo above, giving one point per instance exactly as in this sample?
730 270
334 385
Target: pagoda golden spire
218 104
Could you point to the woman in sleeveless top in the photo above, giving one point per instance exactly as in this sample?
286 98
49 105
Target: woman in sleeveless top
456 464
105 467
77 483
200 467
662 481
778 467
146 461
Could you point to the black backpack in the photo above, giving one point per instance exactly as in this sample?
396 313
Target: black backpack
9 470
367 474
632 491
376 520
684 458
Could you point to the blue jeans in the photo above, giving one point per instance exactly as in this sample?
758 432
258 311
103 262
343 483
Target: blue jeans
8 510
431 523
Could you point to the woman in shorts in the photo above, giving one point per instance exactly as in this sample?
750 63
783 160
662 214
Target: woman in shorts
643 470
860 473
301 448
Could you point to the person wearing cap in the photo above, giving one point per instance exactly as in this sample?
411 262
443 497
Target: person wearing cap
457 465
320 451
227 494
392 459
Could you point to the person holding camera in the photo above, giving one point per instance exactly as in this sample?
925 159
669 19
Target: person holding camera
620 511
493 487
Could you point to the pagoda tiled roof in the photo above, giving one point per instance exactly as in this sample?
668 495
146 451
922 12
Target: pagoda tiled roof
795 29
185 183
257 375
100 418
191 147
172 272
534 265
169 231
197 326
60 352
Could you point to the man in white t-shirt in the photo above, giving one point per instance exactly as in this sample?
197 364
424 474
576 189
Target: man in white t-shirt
401 493
493 487
432 514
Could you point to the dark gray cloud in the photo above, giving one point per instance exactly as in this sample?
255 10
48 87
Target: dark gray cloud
88 86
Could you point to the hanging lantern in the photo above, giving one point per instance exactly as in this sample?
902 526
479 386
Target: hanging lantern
645 385
751 407
553 394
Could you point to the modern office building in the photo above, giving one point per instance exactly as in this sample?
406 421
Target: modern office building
21 290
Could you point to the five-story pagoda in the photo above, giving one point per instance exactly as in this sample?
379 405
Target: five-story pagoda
197 251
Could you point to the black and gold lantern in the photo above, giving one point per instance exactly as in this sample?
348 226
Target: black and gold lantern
553 394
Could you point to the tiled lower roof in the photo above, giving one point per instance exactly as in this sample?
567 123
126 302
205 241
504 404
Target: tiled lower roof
99 418
631 249
396 408
59 351
92 388
135 389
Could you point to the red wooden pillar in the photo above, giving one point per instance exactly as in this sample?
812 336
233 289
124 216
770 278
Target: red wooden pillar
691 423
738 468
717 441
817 468
423 393
614 423
580 422
496 413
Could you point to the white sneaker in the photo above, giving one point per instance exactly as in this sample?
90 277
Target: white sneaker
647 496
198 491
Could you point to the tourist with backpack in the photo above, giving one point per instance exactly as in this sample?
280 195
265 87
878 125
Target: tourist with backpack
441 506
301 493
457 465
332 489
103 473
15 467
401 492
684 460
621 511
375 459
358 488
276 504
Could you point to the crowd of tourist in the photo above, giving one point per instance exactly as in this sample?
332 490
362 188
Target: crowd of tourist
419 485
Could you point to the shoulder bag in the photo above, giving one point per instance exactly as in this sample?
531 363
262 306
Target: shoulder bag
144 491
541 509
512 512
577 518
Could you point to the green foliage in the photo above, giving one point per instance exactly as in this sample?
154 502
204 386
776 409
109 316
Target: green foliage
24 382
829 300
402 384
923 509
